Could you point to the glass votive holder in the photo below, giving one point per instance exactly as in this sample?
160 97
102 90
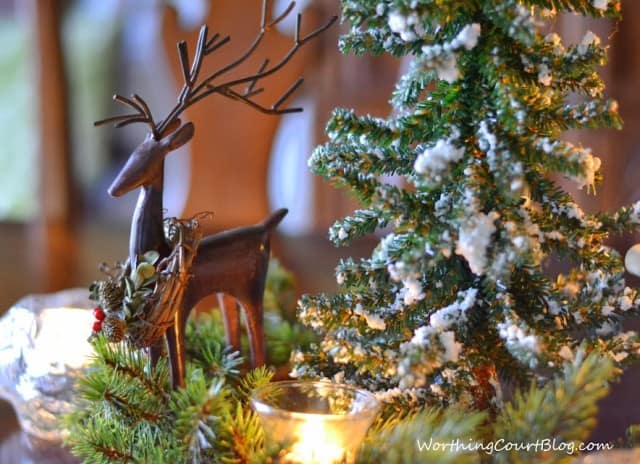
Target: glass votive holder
43 352
314 422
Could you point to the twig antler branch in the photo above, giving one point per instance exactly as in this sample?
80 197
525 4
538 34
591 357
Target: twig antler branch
194 91
143 114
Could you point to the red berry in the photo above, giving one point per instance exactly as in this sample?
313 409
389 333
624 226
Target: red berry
98 313
97 326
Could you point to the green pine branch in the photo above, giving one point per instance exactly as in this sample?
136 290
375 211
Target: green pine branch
128 412
564 410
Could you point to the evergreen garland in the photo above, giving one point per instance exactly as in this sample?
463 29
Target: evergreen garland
563 409
127 411
131 414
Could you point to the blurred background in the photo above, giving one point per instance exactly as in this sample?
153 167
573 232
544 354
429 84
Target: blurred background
60 62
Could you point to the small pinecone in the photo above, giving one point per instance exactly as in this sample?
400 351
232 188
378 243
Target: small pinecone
171 231
113 328
111 295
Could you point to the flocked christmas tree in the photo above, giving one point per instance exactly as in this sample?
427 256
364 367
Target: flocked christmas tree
456 298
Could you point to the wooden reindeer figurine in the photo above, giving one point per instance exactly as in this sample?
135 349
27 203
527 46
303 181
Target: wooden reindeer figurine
232 262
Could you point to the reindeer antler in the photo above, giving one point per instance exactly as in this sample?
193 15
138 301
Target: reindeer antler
194 91
143 114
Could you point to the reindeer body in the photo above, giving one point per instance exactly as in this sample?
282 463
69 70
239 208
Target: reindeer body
246 247
233 262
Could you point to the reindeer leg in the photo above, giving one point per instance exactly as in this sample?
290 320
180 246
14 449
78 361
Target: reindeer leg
175 345
155 352
255 328
230 319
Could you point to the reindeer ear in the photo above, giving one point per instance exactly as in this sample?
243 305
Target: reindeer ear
171 127
178 138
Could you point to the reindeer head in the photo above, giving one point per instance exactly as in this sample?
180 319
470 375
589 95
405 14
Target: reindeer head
145 163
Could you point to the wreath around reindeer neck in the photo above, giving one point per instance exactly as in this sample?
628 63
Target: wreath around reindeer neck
138 304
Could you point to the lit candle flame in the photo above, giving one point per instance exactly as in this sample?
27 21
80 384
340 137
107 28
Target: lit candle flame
317 443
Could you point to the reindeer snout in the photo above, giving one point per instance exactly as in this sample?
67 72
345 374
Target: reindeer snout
117 187
143 167
131 176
